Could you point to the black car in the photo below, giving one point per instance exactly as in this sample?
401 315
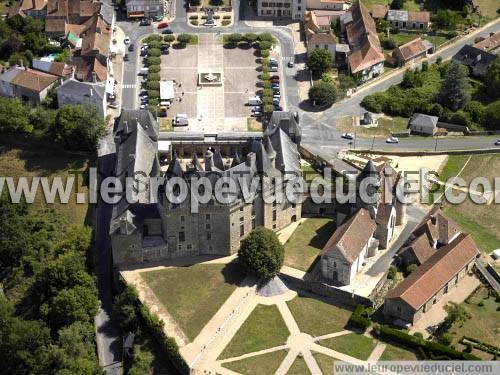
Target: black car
278 108
145 22
167 31
125 57
131 48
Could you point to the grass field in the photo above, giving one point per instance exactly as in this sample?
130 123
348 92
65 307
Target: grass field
299 367
482 221
408 4
309 313
192 295
33 161
488 8
262 364
263 329
305 244
483 324
386 126
166 124
324 362
353 344
396 353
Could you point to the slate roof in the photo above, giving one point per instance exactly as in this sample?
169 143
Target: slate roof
397 15
77 88
425 121
422 284
28 78
351 237
474 57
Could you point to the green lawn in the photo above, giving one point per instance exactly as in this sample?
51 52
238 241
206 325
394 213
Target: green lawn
324 362
262 364
386 126
310 313
436 40
488 8
483 324
307 241
299 367
482 221
263 329
396 353
192 295
354 344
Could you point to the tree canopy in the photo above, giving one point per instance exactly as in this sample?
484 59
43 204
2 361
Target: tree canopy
323 93
454 92
320 61
262 253
492 79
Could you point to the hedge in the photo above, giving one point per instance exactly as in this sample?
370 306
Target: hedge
359 318
225 22
226 17
153 77
153 85
155 44
153 94
169 38
168 344
193 17
154 60
480 345
152 38
433 349
194 22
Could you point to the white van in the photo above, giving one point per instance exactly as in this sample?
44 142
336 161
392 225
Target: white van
165 103
255 100
181 120
143 71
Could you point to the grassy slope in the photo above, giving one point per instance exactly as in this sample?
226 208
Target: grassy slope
307 241
192 295
263 329
262 364
299 367
353 344
396 353
309 313
324 362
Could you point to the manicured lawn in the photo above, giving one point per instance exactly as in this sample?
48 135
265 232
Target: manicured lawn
192 295
386 126
261 364
353 344
436 40
324 362
263 329
33 161
395 353
307 241
483 324
310 313
482 221
299 367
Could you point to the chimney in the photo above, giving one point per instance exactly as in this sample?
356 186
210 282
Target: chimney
209 160
251 157
126 128
73 69
296 117
94 77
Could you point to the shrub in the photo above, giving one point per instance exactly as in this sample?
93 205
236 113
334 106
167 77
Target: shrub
154 52
193 17
418 334
268 92
411 268
216 17
264 53
153 94
359 318
225 22
226 17
439 60
492 115
388 44
425 66
250 38
154 60
268 108
265 76
392 272
323 94
374 103
154 69
153 85
153 37
169 38
153 77
446 339
194 22
154 44
265 45
266 37
184 38
153 103
234 38
476 110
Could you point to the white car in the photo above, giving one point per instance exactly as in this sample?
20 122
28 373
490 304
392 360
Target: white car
392 140
497 142
347 136
126 40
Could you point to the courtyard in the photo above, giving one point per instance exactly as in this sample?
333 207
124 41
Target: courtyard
214 108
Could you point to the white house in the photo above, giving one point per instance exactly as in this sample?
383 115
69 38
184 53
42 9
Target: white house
326 5
294 9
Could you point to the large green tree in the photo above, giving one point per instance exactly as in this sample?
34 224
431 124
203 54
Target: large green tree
319 61
79 127
492 116
455 314
492 79
14 117
323 94
262 253
454 92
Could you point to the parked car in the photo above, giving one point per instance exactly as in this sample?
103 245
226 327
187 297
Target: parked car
257 109
125 57
275 86
347 136
131 48
278 108
254 101
157 18
143 106
257 114
275 77
291 64
273 68
274 80
392 140
167 31
163 25
126 40
276 101
145 22
497 142
276 92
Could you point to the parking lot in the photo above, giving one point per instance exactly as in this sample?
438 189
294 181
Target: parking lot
212 108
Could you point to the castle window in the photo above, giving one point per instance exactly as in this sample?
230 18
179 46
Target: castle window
294 205
398 308
253 223
189 247
209 236
274 215
207 226
241 209
242 230
242 219
274 226
182 219
182 236
207 217
274 203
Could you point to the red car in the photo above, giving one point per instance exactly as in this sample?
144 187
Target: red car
162 25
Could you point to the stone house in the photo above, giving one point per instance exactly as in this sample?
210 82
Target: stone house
27 84
326 5
366 59
144 8
423 124
28 8
408 20
294 9
73 91
322 41
443 270
489 44
215 228
409 52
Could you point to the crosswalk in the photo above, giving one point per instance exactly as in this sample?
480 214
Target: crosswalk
128 86
288 58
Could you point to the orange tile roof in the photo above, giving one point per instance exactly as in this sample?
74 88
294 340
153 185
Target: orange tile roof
379 11
412 48
33 79
352 236
419 16
490 43
421 285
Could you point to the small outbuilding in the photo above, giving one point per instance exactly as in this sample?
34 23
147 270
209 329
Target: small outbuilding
423 124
